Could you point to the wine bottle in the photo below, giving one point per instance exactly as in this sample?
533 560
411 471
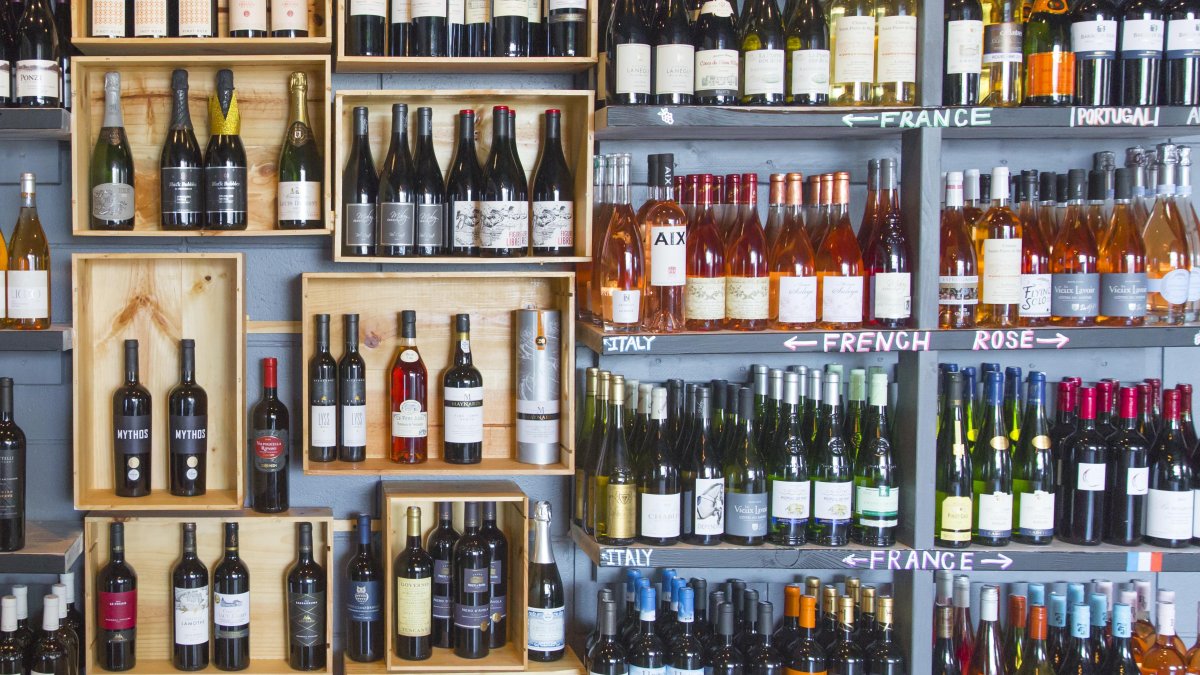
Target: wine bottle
24 632
364 601
594 452
877 492
65 633
831 472
399 29
50 654
270 444
685 654
464 188
360 191
396 210
462 387
566 22
231 607
441 547
954 488
111 173
619 283
414 570
1082 489
584 438
1131 475
958 270
510 28
704 305
896 57
504 203
614 489
845 655
986 656
408 388
607 655
38 74
1049 60
1122 261
498 570
116 608
763 54
788 482
658 479
852 42
150 18
225 159
352 396
248 19
472 588
807 29
1181 67
1003 61
536 28
301 169
886 257
476 31
289 19
1033 470
107 18
553 196
747 275
181 167
322 397
132 430
187 428
629 62
306 606
12 652
1000 229
12 473
1094 41
430 190
703 483
1142 38
717 66
1168 514
1075 292
840 265
545 627
428 34
28 266
189 579
746 499
992 470
646 650
196 19
366 26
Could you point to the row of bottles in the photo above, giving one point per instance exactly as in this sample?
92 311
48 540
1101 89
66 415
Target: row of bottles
35 54
58 646
196 19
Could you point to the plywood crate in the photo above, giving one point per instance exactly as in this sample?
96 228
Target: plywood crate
577 130
319 40
490 298
512 507
261 85
482 64
158 299
153 545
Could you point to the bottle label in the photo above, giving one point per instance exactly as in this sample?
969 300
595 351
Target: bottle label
958 291
191 616
248 15
831 502
463 414
1091 477
621 306
995 514
505 224
410 421
400 12
877 506
673 670
188 435
553 224
1123 294
196 18
225 190
289 15
28 294
477 11
108 18
956 519
476 617
299 200
790 501
1075 295
621 511
131 441
641 670
442 607
323 431
1002 272
660 515
897 49
554 5
1141 38
1094 39
721 8
112 201
964 48
674 69
705 298
430 225
1002 43
477 579
181 190
841 299
1173 286
797 299
414 597
363 601
545 629
1195 514
231 615
1194 284
1137 480
854 60
717 71
38 78
371 7
892 295
535 12
1169 514
632 68
150 18
1183 38
764 72
306 619
708 507
498 606
1050 74
12 484
1035 515
810 72
360 224
5 79
510 8
747 297
537 421
269 447
1036 293
118 612
397 224
354 414
467 217
747 513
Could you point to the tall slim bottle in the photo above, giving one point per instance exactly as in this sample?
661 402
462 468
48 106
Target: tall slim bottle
553 195
763 53
352 396
1003 61
876 485
189 583
1169 515
703 480
852 43
621 278
1167 260
1122 261
958 273
1000 262
116 607
886 258
704 304
408 387
658 479
225 167
12 473
181 166
231 607
132 430
831 472
187 428
364 603
545 628
991 462
1033 470
839 266
110 179
747 276
464 190
963 60
664 225
396 209
788 478
628 60
28 277
615 483
430 189
808 54
360 190
746 498
1049 60
270 445
414 578
954 487
1081 491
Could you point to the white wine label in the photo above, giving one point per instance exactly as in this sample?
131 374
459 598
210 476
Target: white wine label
995 514
721 8
28 294
397 224
709 507
478 11
790 501
854 60
401 12
1173 286
1036 295
705 299
534 10
359 227
747 297
299 200
1137 481
456 12
108 18
538 421
746 513
674 69
554 5
877 506
1141 38
1094 39
231 609
462 413
289 15
510 8
1091 477
1123 294
37 77
466 218
368 7
632 68
717 71
831 502
410 421
553 224
505 224
414 597
1169 514
323 432
660 515
1001 271
891 294
621 306
897 49
1002 43
668 255
196 19
150 18
422 8
1183 38
191 615
797 299
841 299
764 72
112 201
964 48
1075 295
546 628
354 426
1036 515
810 72
248 15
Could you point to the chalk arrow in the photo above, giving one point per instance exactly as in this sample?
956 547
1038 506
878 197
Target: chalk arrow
1003 561
793 342
853 560
851 118
1059 341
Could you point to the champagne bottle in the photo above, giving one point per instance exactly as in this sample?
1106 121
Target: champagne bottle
270 444
301 169
187 428
464 189
360 190
364 602
430 190
181 167
414 595
504 204
1049 59
111 173
225 159
231 607
189 582
546 616
306 606
352 396
322 397
553 195
132 431
831 472
658 479
116 608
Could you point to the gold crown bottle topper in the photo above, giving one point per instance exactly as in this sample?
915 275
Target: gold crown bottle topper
223 116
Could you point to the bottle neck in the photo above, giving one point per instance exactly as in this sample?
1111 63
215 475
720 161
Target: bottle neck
181 116
131 366
462 348
466 133
298 108
112 109
187 366
543 552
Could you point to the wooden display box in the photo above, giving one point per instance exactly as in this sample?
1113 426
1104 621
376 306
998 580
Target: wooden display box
576 107
153 545
261 84
511 508
158 299
318 42
490 298
480 64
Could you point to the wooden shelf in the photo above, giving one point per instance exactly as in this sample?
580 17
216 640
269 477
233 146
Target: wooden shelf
569 664
381 466
51 547
324 232
161 498
29 124
56 338
487 65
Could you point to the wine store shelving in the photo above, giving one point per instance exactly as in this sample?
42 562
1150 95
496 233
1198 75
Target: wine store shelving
51 547
56 338
24 124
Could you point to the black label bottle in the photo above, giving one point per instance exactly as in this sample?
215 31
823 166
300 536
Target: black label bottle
132 431
187 428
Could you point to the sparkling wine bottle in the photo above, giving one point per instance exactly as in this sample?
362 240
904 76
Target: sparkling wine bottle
225 160
181 166
111 173
301 169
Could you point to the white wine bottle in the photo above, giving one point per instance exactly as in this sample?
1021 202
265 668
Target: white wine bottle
28 286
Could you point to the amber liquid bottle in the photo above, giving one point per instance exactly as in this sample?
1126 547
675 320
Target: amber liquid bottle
958 273
622 263
409 397
747 277
664 225
840 266
1166 249
1122 262
28 266
704 306
1075 281
1000 262
793 265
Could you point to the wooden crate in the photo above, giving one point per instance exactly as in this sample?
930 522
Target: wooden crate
153 544
486 64
158 299
261 83
490 298
577 129
318 42
512 507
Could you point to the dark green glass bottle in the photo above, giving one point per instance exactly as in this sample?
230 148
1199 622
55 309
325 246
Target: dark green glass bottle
745 480
876 486
788 483
301 169
111 171
831 473
952 515
991 473
1033 470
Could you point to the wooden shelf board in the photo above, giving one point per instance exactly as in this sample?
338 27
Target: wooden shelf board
463 260
205 233
569 664
484 64
26 124
51 547
256 667
436 467
56 338
158 500
91 46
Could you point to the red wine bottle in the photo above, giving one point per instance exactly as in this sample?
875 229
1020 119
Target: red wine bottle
1131 475
441 546
270 442
497 576
397 193
189 581
187 428
553 230
505 203
1081 491
429 34
1169 502
306 606
12 473
322 397
366 22
132 430
510 28
464 188
414 595
116 608
566 27
364 599
231 607
472 588
352 396
360 189
430 190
